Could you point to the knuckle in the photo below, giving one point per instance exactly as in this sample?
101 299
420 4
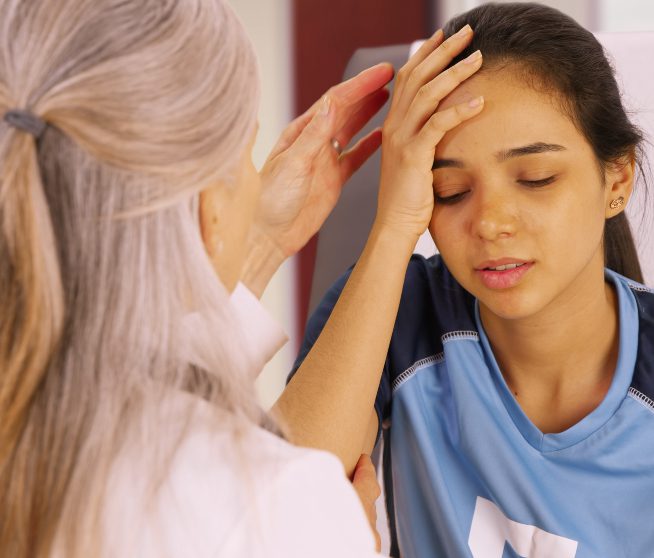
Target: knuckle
411 80
394 141
458 114
388 137
417 76
334 99
426 91
446 48
436 122
454 73
452 77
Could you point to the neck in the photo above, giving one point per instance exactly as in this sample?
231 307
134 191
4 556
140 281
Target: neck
560 362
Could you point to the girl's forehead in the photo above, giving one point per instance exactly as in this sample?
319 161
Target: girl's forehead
503 89
515 113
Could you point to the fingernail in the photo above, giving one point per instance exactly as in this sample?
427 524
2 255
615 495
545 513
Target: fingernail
438 34
325 106
474 57
476 102
464 31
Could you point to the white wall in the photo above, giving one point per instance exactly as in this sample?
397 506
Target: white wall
596 15
625 15
268 24
582 10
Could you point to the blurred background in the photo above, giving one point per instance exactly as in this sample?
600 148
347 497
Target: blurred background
304 47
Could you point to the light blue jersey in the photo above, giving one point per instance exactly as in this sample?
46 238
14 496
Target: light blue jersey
470 475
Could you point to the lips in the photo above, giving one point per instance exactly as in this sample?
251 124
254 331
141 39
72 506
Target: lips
503 273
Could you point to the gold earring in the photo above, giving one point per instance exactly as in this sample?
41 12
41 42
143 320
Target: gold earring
616 203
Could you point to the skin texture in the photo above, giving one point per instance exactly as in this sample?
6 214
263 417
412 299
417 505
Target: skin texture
555 331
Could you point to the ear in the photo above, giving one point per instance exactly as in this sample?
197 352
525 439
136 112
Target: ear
619 185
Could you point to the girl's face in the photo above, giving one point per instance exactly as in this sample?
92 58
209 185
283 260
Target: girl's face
519 184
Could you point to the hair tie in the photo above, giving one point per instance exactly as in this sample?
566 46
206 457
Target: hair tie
26 121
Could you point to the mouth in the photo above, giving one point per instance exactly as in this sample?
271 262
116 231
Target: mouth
504 267
503 274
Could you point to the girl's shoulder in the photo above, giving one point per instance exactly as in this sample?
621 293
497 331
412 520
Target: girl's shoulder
433 301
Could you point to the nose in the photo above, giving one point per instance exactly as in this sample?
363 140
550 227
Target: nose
494 216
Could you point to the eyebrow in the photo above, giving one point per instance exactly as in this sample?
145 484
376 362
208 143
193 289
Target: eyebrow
501 156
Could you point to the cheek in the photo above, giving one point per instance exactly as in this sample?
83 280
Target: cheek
449 232
578 219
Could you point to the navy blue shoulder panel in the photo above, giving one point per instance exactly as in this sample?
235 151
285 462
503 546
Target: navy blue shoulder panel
643 379
432 303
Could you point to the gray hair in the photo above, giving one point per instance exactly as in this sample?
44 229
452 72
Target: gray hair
101 255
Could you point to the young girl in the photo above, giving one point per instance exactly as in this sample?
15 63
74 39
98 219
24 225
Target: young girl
514 372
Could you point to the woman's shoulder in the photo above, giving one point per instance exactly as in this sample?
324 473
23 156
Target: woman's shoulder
226 486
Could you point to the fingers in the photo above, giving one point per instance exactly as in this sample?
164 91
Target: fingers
360 115
317 132
418 57
365 483
442 122
410 82
354 102
292 132
365 479
429 95
350 92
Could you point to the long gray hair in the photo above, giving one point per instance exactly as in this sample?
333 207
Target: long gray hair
101 255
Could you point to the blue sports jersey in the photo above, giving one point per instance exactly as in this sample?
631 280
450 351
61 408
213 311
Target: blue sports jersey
469 475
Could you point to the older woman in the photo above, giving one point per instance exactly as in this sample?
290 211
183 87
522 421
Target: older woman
129 210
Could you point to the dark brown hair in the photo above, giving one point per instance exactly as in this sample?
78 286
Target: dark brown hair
556 52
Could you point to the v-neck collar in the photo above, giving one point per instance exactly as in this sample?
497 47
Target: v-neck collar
628 346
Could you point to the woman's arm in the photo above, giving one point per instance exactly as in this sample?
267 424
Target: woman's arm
329 402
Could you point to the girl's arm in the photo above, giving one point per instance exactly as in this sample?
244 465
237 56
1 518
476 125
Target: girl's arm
329 402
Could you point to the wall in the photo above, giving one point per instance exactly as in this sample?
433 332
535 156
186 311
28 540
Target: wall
268 24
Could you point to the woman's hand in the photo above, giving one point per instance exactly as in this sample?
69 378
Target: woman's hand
414 127
303 175
367 488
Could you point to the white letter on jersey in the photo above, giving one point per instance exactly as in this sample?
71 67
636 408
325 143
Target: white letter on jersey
491 529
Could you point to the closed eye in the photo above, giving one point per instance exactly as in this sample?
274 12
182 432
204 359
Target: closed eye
449 200
537 183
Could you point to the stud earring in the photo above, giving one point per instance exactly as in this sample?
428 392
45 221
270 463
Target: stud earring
616 203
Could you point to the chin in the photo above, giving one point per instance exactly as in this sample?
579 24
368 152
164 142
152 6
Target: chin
510 304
